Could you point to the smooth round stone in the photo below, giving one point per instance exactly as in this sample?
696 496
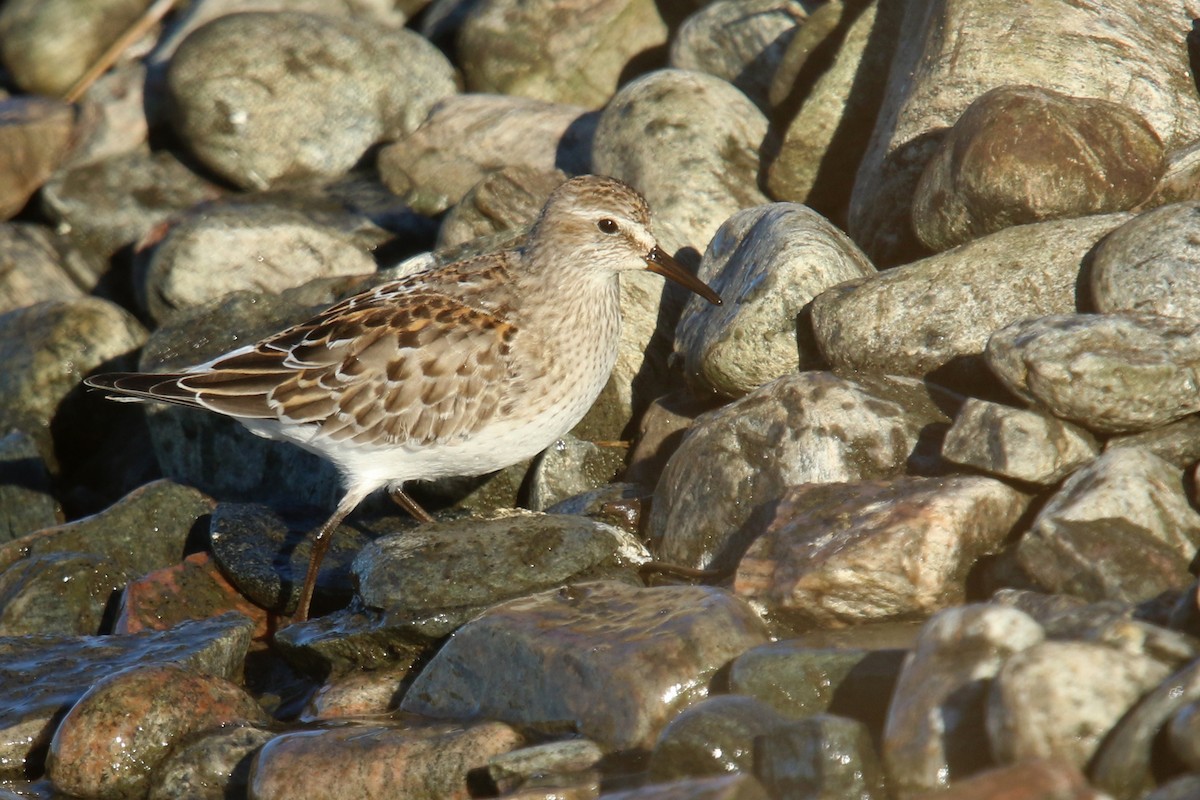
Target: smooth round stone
741 41
508 199
822 756
1091 157
713 737
125 726
36 133
27 502
306 108
210 765
1151 264
35 266
61 593
767 263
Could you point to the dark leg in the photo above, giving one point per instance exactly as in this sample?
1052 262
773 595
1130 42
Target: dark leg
408 504
320 545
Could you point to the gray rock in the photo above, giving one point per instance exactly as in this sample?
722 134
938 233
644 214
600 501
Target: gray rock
935 727
738 786
618 685
58 593
213 765
36 133
111 118
1183 787
841 554
48 44
35 266
721 487
542 50
1182 734
45 675
570 763
701 163
933 317
1111 373
821 757
1091 157
1060 699
570 467
741 41
952 52
348 641
767 263
1177 442
1119 528
26 500
434 578
1150 264
713 737
506 200
1180 182
1023 444
307 108
466 137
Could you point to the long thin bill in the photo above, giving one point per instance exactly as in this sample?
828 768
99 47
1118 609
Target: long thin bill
658 261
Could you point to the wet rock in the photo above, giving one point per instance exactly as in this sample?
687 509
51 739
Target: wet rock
466 137
505 200
125 725
26 501
267 559
1120 528
660 432
825 139
36 134
845 554
800 680
348 640
935 727
1183 787
308 108
1060 699
820 757
621 505
713 737
570 467
767 263
35 266
360 760
192 589
48 44
1091 156
548 52
615 685
741 42
359 692
1037 779
701 163
1149 264
951 53
1023 444
1123 765
210 765
1108 372
58 593
43 676
933 317
738 786
110 204
436 577
722 486
572 763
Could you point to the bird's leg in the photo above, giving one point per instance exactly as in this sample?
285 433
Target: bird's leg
408 504
319 546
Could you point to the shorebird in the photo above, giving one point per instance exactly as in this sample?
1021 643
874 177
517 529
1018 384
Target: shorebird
460 370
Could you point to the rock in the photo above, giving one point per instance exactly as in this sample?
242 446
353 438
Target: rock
844 554
1021 154
35 266
466 137
43 676
27 502
1183 787
545 51
1180 180
1037 779
364 760
722 486
701 163
571 467
1060 699
1111 373
1022 444
935 727
1149 265
713 737
48 44
573 763
822 756
125 725
767 263
36 133
660 432
933 318
112 116
738 786
436 577
308 108
1177 442
621 505
823 141
1119 528
617 685
211 765
506 200
738 41
359 692
1181 732
57 593
952 52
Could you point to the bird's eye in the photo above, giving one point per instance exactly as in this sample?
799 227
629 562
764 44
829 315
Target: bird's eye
608 225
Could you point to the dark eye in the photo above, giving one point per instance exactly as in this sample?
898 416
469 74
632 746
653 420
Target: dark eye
608 225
